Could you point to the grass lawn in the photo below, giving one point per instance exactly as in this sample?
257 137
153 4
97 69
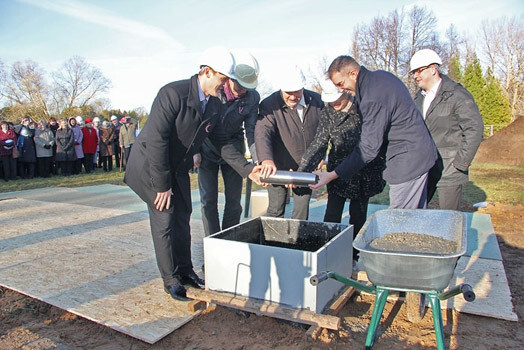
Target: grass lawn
488 182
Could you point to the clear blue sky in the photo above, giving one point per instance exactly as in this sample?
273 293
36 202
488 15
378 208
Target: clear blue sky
142 45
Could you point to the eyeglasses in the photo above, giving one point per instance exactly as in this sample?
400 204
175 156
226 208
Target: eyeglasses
419 70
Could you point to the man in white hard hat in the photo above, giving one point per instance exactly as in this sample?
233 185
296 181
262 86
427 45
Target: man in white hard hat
224 150
287 124
454 121
182 116
390 122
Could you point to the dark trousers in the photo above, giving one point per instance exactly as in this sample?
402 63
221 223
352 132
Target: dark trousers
76 167
171 233
116 151
449 197
358 210
66 168
107 163
88 162
277 195
9 165
127 152
208 186
43 164
26 169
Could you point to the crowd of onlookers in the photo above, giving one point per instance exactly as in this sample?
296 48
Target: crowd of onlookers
64 147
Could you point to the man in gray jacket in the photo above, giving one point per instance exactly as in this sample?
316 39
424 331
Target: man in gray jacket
454 121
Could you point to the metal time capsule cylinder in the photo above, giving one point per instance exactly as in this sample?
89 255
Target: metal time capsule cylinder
300 179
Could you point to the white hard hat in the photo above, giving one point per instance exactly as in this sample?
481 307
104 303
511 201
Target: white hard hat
330 93
292 79
246 69
424 58
96 119
114 117
220 59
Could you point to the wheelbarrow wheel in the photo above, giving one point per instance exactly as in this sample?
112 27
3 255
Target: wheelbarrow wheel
415 306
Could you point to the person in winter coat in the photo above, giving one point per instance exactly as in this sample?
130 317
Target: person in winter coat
287 123
454 122
44 142
78 138
107 137
127 136
97 162
239 110
7 143
27 149
65 148
340 127
116 140
89 144
53 126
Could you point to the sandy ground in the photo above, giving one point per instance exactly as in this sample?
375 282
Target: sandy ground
29 324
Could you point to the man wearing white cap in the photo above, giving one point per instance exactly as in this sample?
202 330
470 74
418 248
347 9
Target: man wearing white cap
182 116
224 150
287 124
454 121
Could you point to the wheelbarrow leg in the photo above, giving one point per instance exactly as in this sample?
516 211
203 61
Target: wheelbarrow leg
437 320
380 302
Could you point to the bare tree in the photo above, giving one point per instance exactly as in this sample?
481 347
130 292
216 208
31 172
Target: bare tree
502 43
25 86
422 23
78 83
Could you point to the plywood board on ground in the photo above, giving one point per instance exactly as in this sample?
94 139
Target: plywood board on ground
95 262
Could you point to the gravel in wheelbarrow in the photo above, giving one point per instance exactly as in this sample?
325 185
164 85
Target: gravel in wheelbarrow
426 270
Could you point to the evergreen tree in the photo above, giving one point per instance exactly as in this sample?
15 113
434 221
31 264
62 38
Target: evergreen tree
454 71
474 82
498 110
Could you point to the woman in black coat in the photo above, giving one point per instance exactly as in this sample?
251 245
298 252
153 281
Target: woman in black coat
65 149
340 127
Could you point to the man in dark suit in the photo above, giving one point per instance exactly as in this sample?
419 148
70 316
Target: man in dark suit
182 116
287 124
390 119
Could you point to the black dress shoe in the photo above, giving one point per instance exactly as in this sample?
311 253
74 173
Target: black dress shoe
191 279
177 292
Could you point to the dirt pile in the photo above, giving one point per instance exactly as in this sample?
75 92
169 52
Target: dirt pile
505 147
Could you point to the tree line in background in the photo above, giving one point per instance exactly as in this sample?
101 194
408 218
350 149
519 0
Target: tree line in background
76 88
387 42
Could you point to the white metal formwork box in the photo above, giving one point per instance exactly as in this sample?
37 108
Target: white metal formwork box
272 259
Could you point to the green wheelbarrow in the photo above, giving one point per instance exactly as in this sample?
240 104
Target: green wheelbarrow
420 275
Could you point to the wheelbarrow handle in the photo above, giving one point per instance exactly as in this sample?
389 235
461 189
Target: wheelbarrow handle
321 277
465 289
467 292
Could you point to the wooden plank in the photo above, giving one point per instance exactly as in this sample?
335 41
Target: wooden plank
334 309
196 305
261 307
